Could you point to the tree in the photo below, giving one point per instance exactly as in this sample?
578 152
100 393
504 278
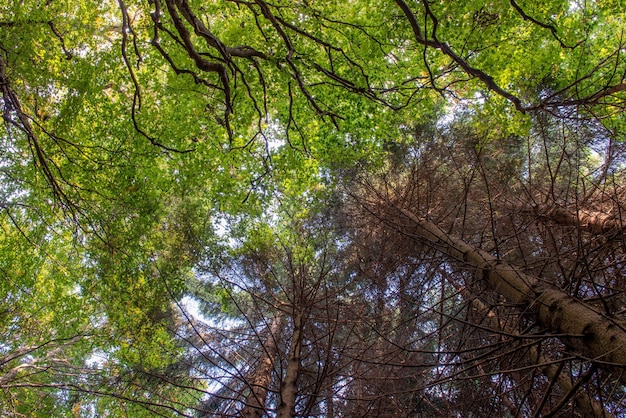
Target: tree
510 293
378 208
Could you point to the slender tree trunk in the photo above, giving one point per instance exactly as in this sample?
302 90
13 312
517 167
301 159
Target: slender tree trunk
259 384
584 402
287 406
330 408
591 221
594 335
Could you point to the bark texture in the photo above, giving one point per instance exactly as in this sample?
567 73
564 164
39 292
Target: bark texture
593 335
287 406
585 403
259 384
588 220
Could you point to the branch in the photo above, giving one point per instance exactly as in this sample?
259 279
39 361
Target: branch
543 25
447 50
15 116
136 104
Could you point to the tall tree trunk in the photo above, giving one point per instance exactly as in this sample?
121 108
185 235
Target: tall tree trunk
287 406
584 402
260 381
594 335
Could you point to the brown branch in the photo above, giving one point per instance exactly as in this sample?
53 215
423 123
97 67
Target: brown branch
593 99
200 62
55 31
136 102
12 108
488 81
447 50
242 51
597 336
551 28
602 338
267 13
551 370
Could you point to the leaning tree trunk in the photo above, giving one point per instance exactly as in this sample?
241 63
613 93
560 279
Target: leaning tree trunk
260 381
596 336
588 220
585 403
287 406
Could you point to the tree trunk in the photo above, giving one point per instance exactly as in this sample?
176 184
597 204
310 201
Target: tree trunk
588 220
585 403
259 384
287 406
330 408
594 335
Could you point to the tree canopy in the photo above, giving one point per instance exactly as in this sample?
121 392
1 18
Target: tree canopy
312 208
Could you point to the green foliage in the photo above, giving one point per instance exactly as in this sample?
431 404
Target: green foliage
122 160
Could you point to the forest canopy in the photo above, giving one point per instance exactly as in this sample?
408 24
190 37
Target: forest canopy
313 208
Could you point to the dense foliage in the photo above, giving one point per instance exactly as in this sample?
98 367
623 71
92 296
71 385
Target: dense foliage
312 208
